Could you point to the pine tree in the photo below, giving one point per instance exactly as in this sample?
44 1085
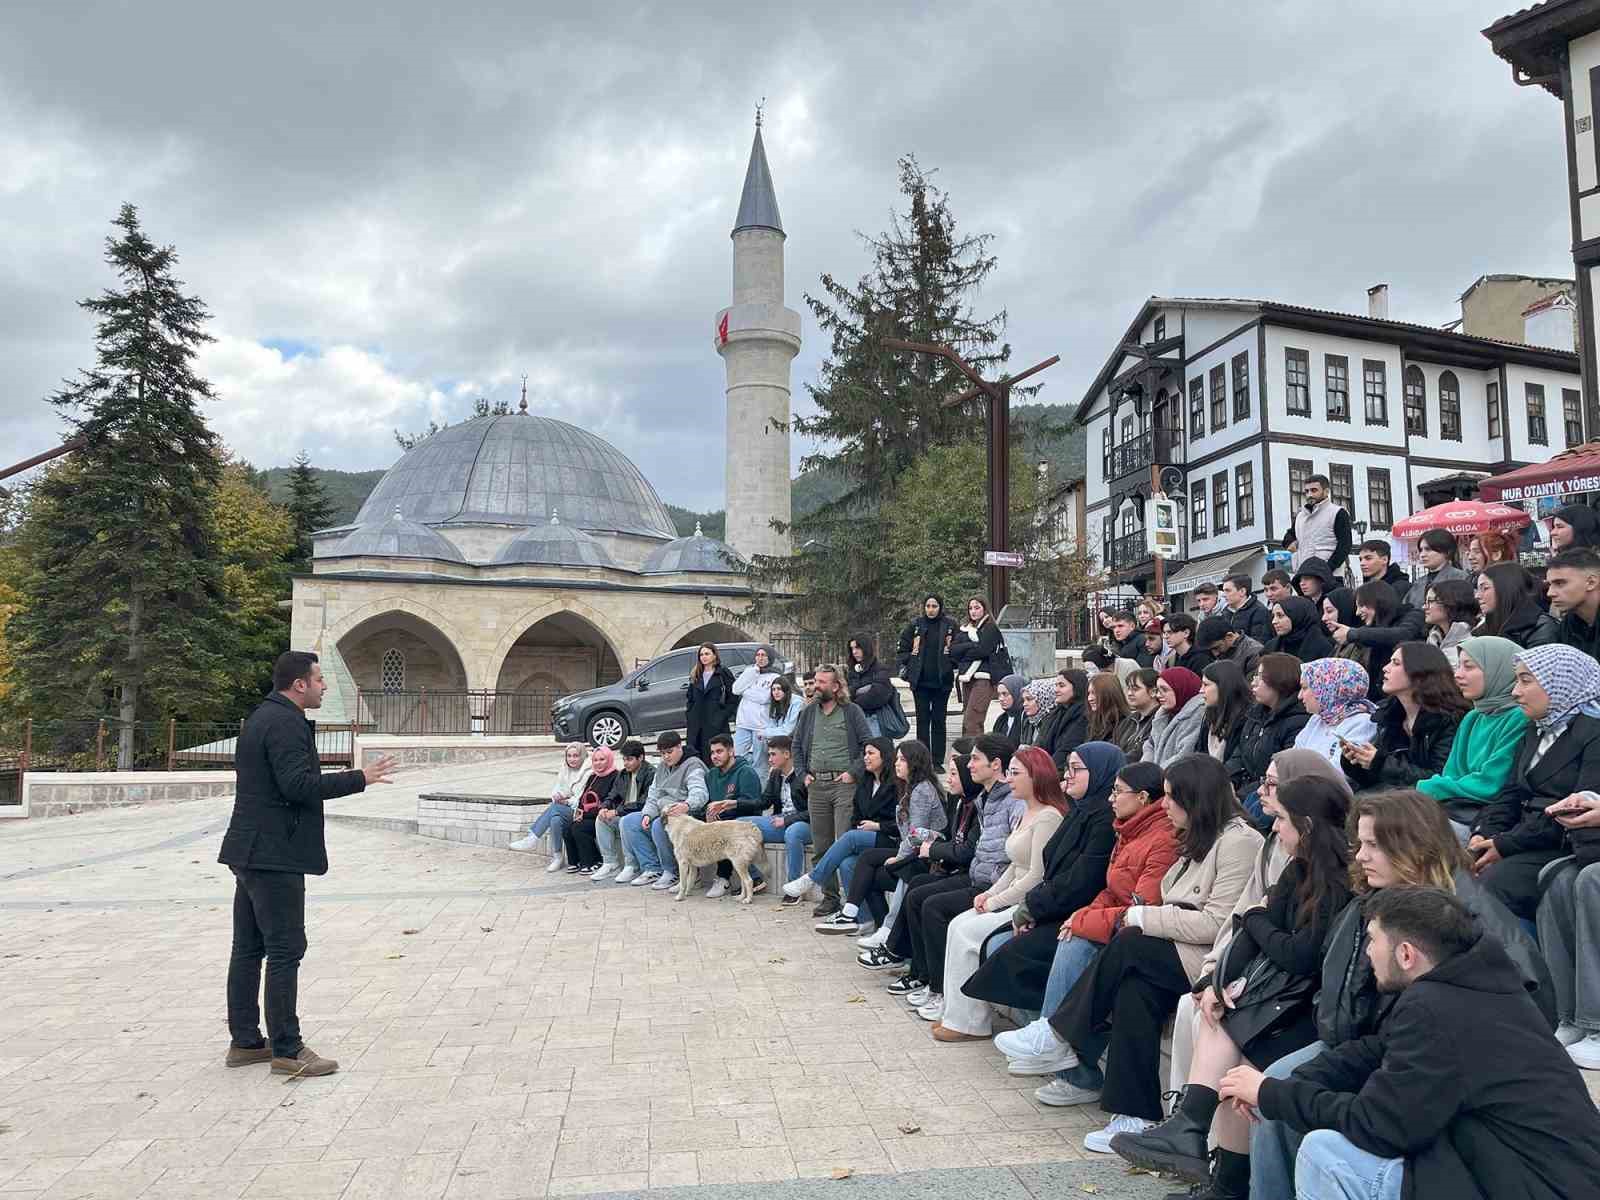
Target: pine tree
121 585
879 411
309 508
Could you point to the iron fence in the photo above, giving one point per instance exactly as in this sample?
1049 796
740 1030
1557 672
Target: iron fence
100 744
1072 625
484 711
808 651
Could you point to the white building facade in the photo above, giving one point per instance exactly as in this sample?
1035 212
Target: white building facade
1233 403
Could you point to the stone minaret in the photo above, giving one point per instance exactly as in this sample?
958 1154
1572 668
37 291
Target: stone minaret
758 338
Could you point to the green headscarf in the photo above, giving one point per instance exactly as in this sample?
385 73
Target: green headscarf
1497 656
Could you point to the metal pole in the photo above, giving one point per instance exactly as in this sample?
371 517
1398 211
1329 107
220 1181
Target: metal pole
1161 563
999 490
172 738
100 746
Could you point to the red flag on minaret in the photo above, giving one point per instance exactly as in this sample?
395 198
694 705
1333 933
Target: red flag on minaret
722 330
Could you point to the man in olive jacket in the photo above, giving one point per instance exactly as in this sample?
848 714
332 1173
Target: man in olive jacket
274 841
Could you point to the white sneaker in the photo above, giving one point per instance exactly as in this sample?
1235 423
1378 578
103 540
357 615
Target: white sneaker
933 1010
1586 1053
1042 1064
797 886
1100 1140
919 997
645 878
627 875
875 940
717 890
1030 1041
1058 1093
603 871
524 843
665 884
556 863
1568 1034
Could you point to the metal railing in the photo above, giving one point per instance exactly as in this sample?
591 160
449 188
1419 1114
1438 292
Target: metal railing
1156 446
1073 625
170 745
807 651
484 711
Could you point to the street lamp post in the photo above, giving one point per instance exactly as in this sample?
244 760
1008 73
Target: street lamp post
998 393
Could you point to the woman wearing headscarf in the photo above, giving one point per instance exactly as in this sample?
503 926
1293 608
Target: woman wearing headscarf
1334 692
564 792
1339 609
583 851
871 689
1075 862
1558 688
1299 631
1178 719
1009 723
1574 525
754 689
1485 748
1145 849
1038 705
925 664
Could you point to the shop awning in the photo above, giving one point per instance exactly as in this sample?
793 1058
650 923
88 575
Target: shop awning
1570 472
1210 570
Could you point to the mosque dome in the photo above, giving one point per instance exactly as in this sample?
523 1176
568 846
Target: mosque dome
697 552
516 470
396 537
554 544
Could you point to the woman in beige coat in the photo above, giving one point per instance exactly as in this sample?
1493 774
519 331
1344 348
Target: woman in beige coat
1123 1001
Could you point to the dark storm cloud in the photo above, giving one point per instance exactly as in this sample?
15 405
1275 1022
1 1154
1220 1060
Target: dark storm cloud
422 202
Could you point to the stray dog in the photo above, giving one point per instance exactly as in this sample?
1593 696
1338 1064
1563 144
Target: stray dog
698 844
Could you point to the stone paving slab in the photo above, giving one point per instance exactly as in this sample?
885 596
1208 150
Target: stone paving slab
502 1032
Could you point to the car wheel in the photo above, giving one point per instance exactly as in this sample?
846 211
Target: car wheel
607 729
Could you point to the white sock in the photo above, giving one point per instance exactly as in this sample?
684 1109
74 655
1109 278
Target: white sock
850 910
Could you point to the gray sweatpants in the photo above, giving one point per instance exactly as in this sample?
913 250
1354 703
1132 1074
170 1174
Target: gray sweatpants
1569 936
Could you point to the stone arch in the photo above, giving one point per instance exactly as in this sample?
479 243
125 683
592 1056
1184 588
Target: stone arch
398 604
492 666
562 651
369 647
696 629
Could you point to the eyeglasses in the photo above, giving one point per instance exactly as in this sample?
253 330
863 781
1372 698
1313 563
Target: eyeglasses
1269 785
1072 770
1118 790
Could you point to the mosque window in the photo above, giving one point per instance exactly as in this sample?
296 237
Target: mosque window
393 671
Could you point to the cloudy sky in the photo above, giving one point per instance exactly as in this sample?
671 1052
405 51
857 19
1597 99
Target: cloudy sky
393 208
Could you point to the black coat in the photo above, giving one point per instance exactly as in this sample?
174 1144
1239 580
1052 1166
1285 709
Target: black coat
1253 620
987 656
1075 862
707 711
617 800
1530 626
1404 758
772 796
870 686
1194 659
930 667
1063 731
1464 1082
1348 1003
1009 723
277 804
1265 733
1575 631
1516 819
878 802
1133 648
1379 642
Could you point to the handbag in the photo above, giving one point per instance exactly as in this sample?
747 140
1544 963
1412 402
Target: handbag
1270 995
892 717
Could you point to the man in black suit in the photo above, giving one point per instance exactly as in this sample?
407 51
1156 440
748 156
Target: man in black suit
274 841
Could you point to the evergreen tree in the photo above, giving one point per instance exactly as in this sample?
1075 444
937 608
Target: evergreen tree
879 411
309 509
121 588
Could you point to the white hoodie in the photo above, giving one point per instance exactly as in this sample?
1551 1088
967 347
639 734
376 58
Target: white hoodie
754 689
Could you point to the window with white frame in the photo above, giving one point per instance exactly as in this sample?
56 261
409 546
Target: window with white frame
1244 490
1297 382
1342 486
1375 390
1337 368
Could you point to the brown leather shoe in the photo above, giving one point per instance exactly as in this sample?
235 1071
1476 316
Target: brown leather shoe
238 1056
941 1034
304 1065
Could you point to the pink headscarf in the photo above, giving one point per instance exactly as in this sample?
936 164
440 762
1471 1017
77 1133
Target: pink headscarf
603 760
1340 686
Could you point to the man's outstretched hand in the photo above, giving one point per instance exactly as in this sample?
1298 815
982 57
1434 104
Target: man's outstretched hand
381 771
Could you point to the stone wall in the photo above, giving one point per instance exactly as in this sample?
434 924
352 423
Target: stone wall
62 793
415 753
474 819
425 665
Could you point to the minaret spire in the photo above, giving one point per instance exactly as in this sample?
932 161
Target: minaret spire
758 203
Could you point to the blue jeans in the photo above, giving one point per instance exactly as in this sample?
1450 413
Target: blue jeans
1332 1167
1073 958
794 837
557 815
1273 1145
841 856
639 842
751 745
609 838
874 724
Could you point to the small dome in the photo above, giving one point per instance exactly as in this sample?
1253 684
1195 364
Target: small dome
554 544
397 537
697 552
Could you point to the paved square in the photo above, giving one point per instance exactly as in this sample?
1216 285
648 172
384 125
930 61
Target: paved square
502 1032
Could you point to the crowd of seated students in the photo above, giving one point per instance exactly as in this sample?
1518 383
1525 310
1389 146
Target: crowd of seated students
1185 853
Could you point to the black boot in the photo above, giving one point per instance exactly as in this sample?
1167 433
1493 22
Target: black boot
1230 1179
1177 1145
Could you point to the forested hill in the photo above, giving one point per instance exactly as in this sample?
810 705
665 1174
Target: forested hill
1039 431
